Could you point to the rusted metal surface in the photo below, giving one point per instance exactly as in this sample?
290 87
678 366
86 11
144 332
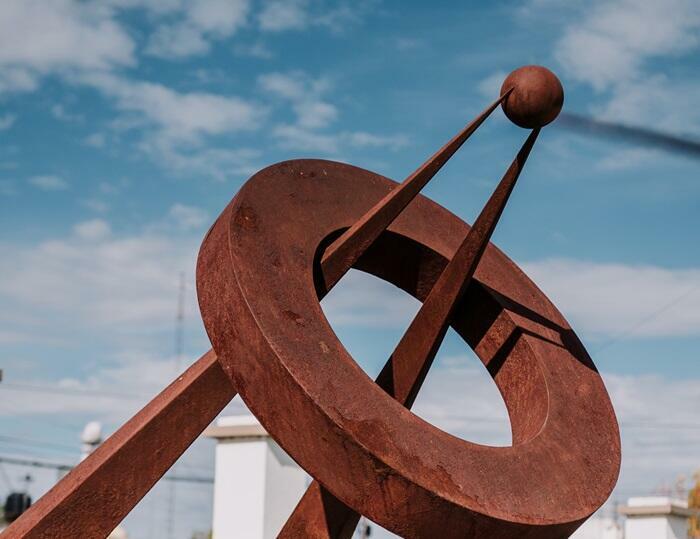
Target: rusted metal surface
287 237
371 453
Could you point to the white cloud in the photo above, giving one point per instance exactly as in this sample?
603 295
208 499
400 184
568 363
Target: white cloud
188 217
97 279
38 37
657 417
255 50
7 121
615 46
96 140
177 41
84 44
95 229
361 299
221 17
490 87
612 42
49 183
180 116
17 79
607 299
295 137
460 397
361 139
96 205
629 158
202 21
280 15
292 137
176 125
284 15
313 114
59 112
657 101
219 164
658 427
622 300
305 94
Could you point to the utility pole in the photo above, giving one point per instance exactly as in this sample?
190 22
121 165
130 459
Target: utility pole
179 349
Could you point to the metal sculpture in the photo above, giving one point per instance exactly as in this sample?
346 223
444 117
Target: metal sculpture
288 236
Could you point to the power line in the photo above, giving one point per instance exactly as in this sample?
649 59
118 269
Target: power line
36 443
651 316
67 467
35 463
33 388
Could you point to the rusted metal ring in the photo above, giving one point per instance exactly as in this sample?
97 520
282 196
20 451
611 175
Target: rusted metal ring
261 310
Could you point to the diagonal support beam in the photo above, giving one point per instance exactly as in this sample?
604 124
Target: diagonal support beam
344 251
407 367
92 499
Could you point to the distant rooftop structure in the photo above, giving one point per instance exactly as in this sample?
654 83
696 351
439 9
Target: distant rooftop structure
656 517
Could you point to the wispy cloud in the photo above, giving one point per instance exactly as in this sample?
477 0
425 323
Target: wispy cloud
612 47
7 121
360 299
188 217
179 116
658 442
284 15
629 158
175 125
607 299
613 41
200 22
38 38
619 299
314 115
100 278
281 15
49 183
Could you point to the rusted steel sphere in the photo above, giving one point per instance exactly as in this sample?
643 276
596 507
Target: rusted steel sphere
536 99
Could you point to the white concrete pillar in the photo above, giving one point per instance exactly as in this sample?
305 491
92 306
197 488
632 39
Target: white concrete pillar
656 517
256 484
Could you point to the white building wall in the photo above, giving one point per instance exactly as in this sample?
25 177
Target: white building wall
239 489
656 528
256 484
285 484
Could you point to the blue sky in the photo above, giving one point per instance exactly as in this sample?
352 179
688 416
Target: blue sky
127 125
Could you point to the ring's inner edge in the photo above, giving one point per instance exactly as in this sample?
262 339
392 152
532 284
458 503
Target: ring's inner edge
479 320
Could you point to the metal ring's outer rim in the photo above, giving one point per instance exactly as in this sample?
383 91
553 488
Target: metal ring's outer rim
260 309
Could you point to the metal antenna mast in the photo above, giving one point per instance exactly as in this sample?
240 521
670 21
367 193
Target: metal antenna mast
179 347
